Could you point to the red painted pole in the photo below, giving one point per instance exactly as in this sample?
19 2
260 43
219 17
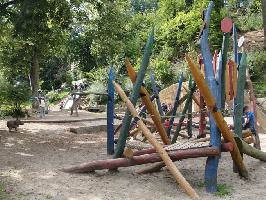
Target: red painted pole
142 159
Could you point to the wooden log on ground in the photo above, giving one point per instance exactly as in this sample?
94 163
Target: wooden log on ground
139 160
163 154
145 96
221 123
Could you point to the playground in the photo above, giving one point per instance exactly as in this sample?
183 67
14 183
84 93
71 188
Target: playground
178 112
33 156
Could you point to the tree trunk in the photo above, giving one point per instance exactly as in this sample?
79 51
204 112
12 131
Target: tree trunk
35 73
264 20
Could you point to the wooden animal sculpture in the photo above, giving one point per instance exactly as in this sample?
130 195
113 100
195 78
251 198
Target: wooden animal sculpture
13 124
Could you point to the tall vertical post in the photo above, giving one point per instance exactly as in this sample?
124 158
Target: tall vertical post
178 93
240 95
231 88
212 162
226 26
134 95
110 113
235 47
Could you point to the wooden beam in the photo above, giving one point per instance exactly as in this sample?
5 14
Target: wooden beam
163 154
221 123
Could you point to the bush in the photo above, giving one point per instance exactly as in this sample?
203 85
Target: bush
54 96
257 66
13 98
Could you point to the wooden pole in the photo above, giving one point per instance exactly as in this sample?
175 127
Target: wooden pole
183 115
189 116
110 114
193 97
221 123
202 121
156 93
134 96
145 96
231 89
211 167
240 96
178 93
163 154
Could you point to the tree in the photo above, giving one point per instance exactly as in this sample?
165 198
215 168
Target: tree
264 20
39 27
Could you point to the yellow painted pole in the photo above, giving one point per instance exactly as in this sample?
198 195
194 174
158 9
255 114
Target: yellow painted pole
217 115
159 148
145 96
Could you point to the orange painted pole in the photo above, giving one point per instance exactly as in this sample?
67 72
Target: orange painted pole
145 96
217 115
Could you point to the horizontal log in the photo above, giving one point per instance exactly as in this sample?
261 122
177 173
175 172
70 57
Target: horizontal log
225 147
139 160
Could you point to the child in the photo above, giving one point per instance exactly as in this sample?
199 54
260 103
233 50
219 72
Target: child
248 120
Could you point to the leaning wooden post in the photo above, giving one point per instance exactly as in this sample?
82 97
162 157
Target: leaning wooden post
167 160
253 100
156 93
212 162
189 115
183 114
217 115
134 96
178 93
226 26
110 114
145 96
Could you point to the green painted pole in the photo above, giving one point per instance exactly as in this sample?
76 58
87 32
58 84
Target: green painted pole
240 95
134 96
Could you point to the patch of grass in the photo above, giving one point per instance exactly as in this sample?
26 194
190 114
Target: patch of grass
200 184
2 193
223 190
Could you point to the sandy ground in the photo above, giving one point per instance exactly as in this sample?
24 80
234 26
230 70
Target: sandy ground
30 160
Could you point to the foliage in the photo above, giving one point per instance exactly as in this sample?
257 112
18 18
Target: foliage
13 97
257 66
54 96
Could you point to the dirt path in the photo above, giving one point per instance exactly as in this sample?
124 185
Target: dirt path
30 160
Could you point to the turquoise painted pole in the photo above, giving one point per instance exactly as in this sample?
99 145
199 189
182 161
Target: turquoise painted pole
110 114
134 96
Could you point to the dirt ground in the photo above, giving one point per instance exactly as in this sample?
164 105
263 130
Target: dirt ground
30 162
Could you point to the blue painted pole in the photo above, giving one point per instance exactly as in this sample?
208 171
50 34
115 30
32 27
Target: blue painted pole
110 114
156 93
235 44
178 93
212 162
